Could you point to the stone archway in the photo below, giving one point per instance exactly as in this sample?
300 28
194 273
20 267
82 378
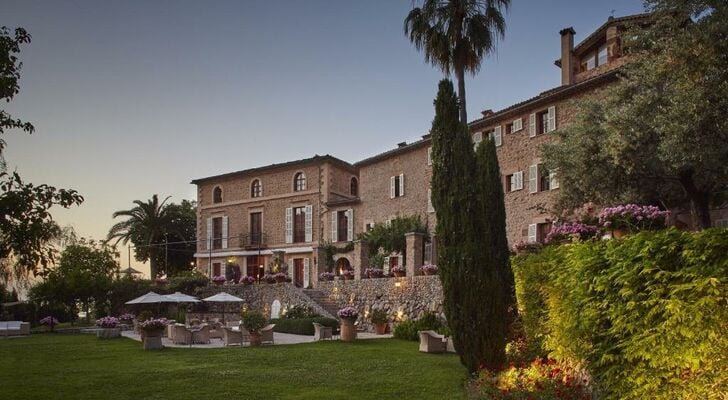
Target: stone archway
342 264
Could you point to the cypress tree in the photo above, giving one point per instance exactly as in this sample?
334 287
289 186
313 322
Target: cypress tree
472 252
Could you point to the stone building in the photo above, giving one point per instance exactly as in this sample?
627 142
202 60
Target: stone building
284 216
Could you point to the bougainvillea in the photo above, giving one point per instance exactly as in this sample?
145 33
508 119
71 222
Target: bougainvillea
107 322
632 216
568 230
349 313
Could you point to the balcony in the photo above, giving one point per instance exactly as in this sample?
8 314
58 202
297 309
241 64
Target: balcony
254 241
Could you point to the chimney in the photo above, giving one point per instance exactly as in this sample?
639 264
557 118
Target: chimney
567 56
487 113
401 144
614 45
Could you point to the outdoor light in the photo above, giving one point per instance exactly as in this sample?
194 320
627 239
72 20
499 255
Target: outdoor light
397 284
231 260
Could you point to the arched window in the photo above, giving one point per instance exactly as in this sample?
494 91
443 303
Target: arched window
217 194
354 187
299 182
256 188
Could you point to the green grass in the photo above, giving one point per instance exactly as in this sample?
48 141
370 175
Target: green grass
58 366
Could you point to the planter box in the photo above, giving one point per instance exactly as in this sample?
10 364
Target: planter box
108 333
348 330
153 343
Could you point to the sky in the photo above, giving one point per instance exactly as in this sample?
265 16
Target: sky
133 98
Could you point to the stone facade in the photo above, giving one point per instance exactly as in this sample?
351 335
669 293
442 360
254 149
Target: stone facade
342 200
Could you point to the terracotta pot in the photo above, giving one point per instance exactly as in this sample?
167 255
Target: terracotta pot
381 329
620 232
255 339
348 330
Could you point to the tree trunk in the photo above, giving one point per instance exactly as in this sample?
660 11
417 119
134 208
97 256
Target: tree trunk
460 72
699 200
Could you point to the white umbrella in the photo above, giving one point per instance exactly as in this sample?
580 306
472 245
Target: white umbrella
223 297
148 298
178 297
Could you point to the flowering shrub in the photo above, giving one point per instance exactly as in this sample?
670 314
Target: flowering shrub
539 380
397 269
155 324
350 313
126 317
280 277
269 278
348 274
49 320
429 269
527 247
569 230
327 276
374 272
219 279
107 322
160 281
247 280
633 216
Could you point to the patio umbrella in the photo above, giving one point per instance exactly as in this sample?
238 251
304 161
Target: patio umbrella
129 271
223 297
149 298
179 298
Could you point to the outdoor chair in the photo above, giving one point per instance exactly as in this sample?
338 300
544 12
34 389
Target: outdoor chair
216 331
432 342
322 332
181 335
230 337
266 334
194 321
202 336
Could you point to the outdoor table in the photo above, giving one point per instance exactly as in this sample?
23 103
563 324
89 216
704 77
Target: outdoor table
192 334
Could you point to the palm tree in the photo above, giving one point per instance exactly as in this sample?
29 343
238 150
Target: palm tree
147 223
456 35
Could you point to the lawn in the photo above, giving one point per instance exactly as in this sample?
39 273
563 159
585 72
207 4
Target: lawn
66 366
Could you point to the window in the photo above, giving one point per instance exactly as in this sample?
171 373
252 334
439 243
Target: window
396 187
216 269
544 180
477 138
514 181
354 187
343 226
217 233
588 62
254 266
256 189
299 224
299 182
602 55
542 122
217 194
517 125
721 223
430 207
256 228
497 136
368 226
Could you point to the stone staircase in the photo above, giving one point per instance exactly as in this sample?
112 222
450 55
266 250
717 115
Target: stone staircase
323 301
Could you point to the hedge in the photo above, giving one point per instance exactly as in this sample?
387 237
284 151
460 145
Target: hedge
302 326
644 315
409 329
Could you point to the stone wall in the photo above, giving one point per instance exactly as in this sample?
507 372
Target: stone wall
413 297
258 297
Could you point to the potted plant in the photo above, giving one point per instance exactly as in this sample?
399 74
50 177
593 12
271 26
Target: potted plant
253 322
397 271
247 280
522 247
626 218
280 277
218 279
327 276
429 269
348 316
160 281
108 328
347 274
269 278
374 272
153 331
380 320
49 322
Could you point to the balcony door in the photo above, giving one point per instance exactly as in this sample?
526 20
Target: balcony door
256 228
298 271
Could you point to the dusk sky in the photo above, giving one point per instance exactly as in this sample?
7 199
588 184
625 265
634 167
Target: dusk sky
133 98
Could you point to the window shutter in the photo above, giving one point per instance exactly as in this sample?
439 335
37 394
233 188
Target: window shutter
477 138
498 136
289 225
532 229
350 224
225 232
385 267
552 118
430 207
306 272
517 125
532 125
533 178
429 156
518 179
334 226
309 223
553 181
401 185
209 233
391 187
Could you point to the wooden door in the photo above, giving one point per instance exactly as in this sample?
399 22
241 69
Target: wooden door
256 228
298 271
